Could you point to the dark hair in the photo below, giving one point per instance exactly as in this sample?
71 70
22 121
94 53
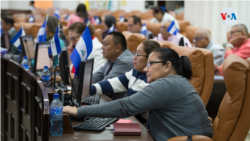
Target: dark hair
182 65
136 19
79 27
161 9
150 45
118 38
243 28
110 20
8 20
32 2
82 12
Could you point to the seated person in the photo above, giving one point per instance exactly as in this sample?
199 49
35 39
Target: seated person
120 60
52 24
81 15
174 106
135 26
239 44
108 22
164 35
179 7
7 26
161 15
202 39
75 32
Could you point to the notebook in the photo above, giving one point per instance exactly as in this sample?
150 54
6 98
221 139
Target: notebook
127 129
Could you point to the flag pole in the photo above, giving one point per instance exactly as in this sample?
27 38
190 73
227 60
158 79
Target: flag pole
88 23
46 23
59 29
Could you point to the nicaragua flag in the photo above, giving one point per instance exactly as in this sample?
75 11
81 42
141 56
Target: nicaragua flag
82 50
112 28
1 30
16 39
41 35
57 13
97 20
67 17
31 19
144 29
85 22
121 19
55 47
172 29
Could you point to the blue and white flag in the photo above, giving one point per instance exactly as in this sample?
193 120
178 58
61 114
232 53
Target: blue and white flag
112 28
172 29
16 39
55 47
85 22
97 20
121 19
1 30
41 35
82 50
57 13
67 17
144 29
31 19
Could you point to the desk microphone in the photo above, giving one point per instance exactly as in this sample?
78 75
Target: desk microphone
72 82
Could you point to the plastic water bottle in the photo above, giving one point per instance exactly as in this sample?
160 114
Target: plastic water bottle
56 117
45 76
25 63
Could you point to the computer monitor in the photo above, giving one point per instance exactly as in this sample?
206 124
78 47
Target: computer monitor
5 41
63 61
42 57
83 82
27 44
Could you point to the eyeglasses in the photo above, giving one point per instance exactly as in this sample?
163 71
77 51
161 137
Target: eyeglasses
163 27
150 63
137 55
232 32
130 25
198 39
74 38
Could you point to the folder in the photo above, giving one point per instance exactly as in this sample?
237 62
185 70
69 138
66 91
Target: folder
127 129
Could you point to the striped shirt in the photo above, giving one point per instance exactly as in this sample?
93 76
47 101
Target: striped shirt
132 82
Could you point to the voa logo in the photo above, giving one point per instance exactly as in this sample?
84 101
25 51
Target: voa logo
228 16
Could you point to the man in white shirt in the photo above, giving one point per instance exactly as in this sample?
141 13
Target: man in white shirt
202 39
75 31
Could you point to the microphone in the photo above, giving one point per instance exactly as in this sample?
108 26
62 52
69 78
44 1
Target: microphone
72 83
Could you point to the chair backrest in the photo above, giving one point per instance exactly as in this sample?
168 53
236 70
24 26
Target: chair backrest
19 17
119 13
148 15
104 13
121 26
153 27
202 67
50 11
98 34
100 26
190 32
180 16
39 11
133 40
232 121
183 26
134 12
93 12
64 11
29 28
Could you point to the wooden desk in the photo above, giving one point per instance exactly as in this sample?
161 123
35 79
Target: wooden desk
106 134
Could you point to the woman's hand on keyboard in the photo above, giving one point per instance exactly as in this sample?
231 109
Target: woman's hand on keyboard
70 110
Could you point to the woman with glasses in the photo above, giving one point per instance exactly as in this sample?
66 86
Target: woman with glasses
174 106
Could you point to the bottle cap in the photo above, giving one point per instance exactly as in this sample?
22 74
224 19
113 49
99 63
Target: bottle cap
46 67
24 57
56 95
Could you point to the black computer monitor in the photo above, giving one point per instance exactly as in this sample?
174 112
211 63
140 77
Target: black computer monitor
5 41
83 82
27 44
42 57
63 61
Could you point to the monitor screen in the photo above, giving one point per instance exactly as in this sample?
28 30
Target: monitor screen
87 78
28 47
42 57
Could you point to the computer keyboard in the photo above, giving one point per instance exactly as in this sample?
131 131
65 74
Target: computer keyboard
95 124
92 100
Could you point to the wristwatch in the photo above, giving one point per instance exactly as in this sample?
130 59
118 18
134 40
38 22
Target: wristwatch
230 45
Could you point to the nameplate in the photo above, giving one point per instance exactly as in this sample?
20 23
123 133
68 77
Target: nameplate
39 81
45 99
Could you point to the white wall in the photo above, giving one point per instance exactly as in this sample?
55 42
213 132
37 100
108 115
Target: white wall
70 5
207 14
133 5
22 5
